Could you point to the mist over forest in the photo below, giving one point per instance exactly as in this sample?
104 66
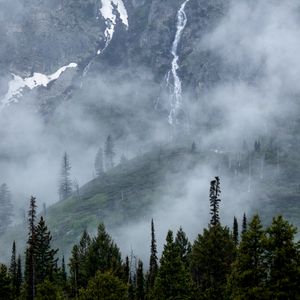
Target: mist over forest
119 112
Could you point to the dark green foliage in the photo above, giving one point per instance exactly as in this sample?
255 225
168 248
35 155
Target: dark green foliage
211 259
48 290
173 280
45 260
103 254
30 264
19 276
184 246
153 265
63 270
244 225
65 184
283 260
249 274
78 263
104 286
6 208
235 231
5 286
214 199
13 271
140 282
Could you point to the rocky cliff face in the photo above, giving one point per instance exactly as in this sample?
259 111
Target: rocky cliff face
39 36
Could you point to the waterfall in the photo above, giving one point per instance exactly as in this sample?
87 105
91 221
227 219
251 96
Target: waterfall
176 88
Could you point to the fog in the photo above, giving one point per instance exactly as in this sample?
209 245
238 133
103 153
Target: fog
257 42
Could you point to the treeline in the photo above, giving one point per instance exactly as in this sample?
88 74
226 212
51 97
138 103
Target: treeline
222 263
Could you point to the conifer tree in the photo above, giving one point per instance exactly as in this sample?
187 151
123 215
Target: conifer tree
153 265
173 280
140 282
79 262
103 254
244 225
109 153
99 168
235 234
13 270
212 253
63 270
214 194
6 208
184 246
45 260
19 276
65 184
283 260
30 265
249 273
5 287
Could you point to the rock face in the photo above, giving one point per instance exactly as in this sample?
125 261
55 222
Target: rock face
42 36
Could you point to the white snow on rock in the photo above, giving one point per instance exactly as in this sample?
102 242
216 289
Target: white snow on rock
107 12
17 84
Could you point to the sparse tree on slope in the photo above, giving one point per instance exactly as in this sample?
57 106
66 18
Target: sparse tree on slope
65 184
214 195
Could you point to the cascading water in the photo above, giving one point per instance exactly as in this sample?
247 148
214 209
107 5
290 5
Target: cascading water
176 87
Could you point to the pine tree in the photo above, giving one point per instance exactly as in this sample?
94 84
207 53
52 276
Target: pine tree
212 253
19 276
46 263
109 153
99 168
63 270
184 246
153 266
6 208
249 273
103 255
244 225
5 287
140 282
65 184
235 231
283 260
74 265
13 270
214 194
173 280
30 265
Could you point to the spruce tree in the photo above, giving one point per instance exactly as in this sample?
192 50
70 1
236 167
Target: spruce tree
173 279
212 253
109 153
74 265
6 208
5 286
45 260
214 194
13 270
235 233
153 265
63 270
103 254
19 280
249 273
140 282
283 260
244 225
30 264
65 184
99 168
184 246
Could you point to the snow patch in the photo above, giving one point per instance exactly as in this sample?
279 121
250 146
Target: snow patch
107 12
17 84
